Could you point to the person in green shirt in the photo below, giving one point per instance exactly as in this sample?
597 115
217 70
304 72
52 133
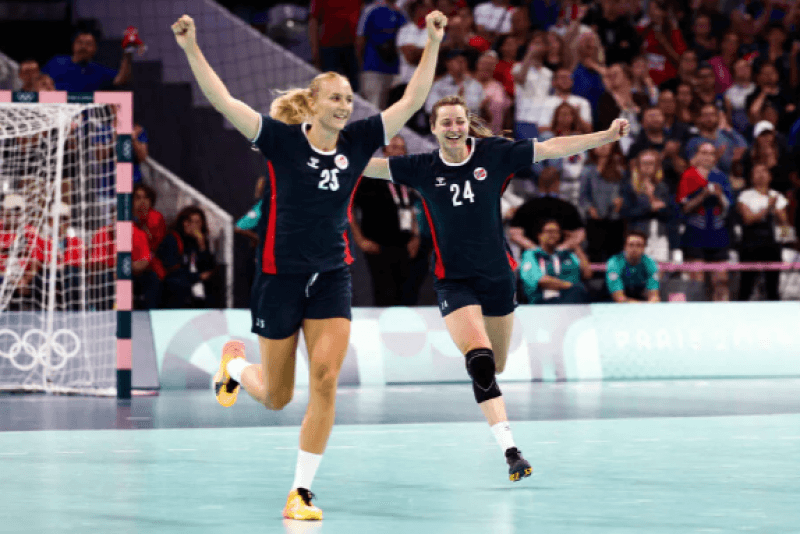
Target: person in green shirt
631 275
551 275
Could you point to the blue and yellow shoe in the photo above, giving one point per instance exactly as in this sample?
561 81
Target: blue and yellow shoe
518 467
298 506
226 388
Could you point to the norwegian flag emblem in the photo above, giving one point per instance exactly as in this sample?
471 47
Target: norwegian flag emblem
480 173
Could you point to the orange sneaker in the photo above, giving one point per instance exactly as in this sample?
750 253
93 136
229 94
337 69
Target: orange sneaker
226 388
298 506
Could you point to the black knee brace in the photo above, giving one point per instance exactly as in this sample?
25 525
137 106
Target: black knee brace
480 366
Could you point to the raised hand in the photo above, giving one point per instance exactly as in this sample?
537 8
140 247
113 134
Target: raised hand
436 23
185 33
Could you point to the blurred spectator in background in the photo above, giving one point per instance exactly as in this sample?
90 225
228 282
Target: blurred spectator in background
547 205
555 57
673 127
493 18
631 275
332 31
703 40
763 212
552 275
411 41
686 73
647 197
641 82
770 150
521 25
79 73
663 41
457 81
705 92
704 194
609 19
509 50
736 95
187 261
247 226
140 150
388 235
723 64
146 217
533 82
376 46
619 101
587 80
729 143
601 199
20 251
70 252
29 73
562 93
684 110
769 96
566 121
496 104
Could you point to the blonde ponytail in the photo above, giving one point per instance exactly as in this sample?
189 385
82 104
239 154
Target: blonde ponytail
294 105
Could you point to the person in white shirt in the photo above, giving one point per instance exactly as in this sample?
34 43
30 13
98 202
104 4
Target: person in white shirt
762 210
493 18
533 82
736 95
457 81
411 41
562 92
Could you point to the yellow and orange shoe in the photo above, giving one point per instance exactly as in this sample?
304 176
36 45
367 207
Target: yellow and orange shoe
298 506
226 388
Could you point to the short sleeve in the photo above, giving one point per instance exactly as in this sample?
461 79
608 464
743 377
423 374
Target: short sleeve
269 130
406 36
652 273
412 171
367 135
140 249
510 155
529 271
614 276
249 220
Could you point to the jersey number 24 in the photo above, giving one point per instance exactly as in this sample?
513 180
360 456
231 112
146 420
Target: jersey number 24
467 194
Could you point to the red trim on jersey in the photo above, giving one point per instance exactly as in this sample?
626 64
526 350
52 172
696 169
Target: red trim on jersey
348 258
268 257
439 270
505 184
511 261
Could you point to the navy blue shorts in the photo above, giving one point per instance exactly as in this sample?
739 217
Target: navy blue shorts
496 296
280 302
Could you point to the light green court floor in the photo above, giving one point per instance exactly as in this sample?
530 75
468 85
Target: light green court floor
649 475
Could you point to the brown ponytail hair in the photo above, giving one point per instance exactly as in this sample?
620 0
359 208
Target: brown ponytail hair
294 105
477 126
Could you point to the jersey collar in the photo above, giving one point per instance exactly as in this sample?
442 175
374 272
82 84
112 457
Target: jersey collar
304 127
471 141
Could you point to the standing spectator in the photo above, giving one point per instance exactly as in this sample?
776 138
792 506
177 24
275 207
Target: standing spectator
493 18
619 38
587 78
773 50
555 58
601 200
533 84
618 101
566 122
553 275
641 82
631 275
140 150
673 126
388 234
497 103
646 197
528 218
663 42
28 74
736 95
704 194
655 135
79 73
724 62
704 92
769 150
769 94
188 263
562 93
510 51
146 217
761 209
332 31
457 81
686 73
521 25
703 41
376 45
730 144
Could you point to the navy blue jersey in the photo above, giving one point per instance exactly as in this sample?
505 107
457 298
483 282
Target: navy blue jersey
303 227
462 204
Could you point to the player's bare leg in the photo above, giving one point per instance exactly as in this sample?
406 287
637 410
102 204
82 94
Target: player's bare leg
468 330
499 331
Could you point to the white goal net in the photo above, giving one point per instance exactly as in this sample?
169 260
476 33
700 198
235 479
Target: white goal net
57 248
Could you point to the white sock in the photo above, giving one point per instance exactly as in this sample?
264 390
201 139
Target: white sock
235 368
502 433
307 464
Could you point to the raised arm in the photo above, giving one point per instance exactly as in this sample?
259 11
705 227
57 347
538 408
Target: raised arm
563 147
418 88
242 116
378 168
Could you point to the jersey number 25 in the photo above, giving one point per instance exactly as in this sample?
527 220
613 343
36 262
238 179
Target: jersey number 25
468 194
330 179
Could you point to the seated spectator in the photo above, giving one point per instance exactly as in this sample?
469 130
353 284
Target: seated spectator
704 194
647 197
712 129
150 221
497 104
79 73
547 205
388 235
736 95
457 81
140 151
663 42
631 275
28 74
723 64
533 82
567 122
641 82
703 41
770 150
69 258
705 91
20 253
493 18
376 47
601 199
562 93
763 212
186 261
551 275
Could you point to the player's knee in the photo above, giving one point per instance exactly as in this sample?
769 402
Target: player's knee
481 368
278 399
499 366
324 380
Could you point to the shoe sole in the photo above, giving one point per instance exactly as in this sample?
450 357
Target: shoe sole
519 475
231 350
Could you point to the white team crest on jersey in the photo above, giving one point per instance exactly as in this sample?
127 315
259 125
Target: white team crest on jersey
313 163
440 181
341 161
480 173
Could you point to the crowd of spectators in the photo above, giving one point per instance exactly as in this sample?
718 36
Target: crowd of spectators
708 172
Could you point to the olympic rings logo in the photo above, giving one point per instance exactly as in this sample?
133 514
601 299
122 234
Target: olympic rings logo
38 352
